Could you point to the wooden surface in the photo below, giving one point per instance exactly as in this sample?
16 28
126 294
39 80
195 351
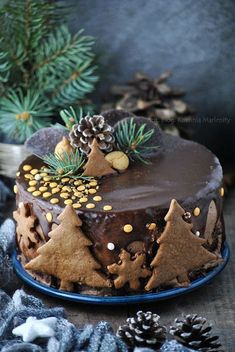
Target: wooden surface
215 301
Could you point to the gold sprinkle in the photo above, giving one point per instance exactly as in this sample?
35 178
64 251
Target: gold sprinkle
28 176
107 207
18 174
196 211
27 167
53 184
93 183
90 206
46 194
55 190
54 200
37 177
78 194
36 193
152 226
73 197
32 183
97 198
92 191
81 188
76 205
43 174
64 195
34 171
77 182
47 178
66 188
128 228
221 192
83 200
43 189
65 179
97 187
15 189
68 201
49 217
31 189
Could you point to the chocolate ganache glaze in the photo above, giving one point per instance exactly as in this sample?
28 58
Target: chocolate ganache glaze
184 170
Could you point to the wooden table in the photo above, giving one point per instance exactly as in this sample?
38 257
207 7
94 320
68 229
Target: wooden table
215 301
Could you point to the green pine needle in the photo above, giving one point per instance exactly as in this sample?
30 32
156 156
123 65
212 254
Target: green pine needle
132 140
22 115
70 117
67 164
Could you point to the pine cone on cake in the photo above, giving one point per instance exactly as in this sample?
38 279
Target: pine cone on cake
143 330
82 134
194 332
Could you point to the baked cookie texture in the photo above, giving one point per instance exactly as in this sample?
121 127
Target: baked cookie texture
123 218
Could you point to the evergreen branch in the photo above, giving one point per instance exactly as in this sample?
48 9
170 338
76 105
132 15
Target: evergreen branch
132 140
23 114
4 66
67 164
70 117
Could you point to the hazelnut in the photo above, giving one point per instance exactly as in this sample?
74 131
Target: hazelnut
118 160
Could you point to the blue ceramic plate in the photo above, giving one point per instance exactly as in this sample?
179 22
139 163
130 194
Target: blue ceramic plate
146 297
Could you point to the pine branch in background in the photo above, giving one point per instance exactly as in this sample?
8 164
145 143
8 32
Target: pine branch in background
21 114
132 139
40 58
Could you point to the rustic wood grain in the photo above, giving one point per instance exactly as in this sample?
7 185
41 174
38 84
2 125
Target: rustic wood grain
214 301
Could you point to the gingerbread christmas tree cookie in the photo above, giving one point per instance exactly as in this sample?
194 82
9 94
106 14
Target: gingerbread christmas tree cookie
179 253
129 270
67 255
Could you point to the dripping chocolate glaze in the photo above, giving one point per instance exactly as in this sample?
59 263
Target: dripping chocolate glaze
184 170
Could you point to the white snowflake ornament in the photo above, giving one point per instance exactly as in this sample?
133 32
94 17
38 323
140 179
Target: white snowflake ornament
34 328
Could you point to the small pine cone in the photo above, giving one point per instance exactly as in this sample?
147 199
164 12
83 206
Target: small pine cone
82 134
143 330
193 332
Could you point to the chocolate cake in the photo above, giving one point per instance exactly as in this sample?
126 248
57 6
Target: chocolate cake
131 223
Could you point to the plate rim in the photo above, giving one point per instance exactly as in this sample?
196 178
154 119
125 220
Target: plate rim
130 299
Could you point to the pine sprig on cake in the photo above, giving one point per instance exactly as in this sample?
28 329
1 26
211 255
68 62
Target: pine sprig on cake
66 164
132 139
38 53
71 117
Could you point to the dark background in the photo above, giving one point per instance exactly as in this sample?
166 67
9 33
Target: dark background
193 38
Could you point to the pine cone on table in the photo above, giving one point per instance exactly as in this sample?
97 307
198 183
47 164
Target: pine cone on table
143 330
193 332
82 134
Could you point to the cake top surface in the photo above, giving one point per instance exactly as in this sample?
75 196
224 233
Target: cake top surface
183 170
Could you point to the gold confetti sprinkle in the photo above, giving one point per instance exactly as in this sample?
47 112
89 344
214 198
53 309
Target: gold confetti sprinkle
36 193
55 190
43 174
37 177
196 211
64 195
77 182
31 189
46 194
66 188
81 188
152 226
78 194
27 167
221 192
32 183
107 207
42 189
93 183
28 176
47 178
15 189
77 205
73 197
53 184
83 200
92 191
18 174
97 198
65 179
68 201
54 200
49 217
128 228
34 171
90 206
